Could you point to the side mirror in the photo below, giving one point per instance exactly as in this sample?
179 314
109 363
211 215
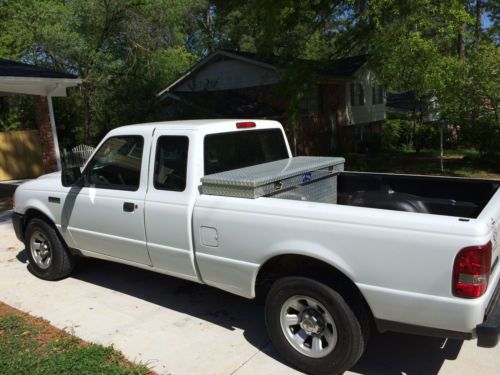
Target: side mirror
70 176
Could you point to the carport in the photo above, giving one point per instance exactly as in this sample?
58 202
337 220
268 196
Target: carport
17 78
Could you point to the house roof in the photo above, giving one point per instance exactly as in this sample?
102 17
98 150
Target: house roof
21 78
10 68
344 67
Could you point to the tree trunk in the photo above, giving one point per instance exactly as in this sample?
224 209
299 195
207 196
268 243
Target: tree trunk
479 24
418 144
87 120
461 37
416 140
210 28
461 44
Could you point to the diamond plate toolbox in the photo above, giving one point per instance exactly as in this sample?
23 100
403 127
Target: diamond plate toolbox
274 177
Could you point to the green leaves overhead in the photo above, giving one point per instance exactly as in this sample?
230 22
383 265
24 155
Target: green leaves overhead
126 51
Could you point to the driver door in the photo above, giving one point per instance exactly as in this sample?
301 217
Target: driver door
106 215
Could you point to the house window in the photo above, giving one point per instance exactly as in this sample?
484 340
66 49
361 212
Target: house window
357 94
378 94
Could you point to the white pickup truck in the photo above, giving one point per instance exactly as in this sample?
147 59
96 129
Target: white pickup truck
400 253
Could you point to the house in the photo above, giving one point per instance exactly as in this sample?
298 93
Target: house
29 154
344 106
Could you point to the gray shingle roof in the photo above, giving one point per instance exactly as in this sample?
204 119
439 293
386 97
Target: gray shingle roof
343 67
9 68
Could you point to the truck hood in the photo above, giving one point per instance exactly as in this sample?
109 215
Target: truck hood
50 181
52 176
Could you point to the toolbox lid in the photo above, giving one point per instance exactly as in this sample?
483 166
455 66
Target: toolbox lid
262 174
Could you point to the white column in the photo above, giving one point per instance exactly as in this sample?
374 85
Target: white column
54 132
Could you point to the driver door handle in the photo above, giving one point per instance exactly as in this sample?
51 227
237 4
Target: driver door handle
129 207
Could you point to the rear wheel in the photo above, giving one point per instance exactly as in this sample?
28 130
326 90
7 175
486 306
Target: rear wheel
312 326
48 256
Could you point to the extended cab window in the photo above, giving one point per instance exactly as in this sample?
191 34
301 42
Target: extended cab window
226 151
117 164
171 163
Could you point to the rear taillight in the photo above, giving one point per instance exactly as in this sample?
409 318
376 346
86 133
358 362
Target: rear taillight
471 271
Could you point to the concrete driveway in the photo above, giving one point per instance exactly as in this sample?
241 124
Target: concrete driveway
180 327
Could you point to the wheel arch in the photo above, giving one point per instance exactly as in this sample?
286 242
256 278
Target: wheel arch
32 213
307 266
35 213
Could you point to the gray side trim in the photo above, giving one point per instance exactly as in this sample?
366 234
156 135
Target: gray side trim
386 325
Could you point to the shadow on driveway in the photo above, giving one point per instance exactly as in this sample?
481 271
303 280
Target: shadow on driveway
389 353
6 192
394 353
5 216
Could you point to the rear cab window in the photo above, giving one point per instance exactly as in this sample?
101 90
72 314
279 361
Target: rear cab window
239 149
171 163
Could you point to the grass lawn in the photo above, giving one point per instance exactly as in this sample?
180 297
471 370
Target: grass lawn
457 163
30 345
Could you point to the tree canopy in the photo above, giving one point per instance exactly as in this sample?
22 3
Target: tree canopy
124 51
127 50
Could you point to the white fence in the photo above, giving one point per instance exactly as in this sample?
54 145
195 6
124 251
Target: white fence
77 156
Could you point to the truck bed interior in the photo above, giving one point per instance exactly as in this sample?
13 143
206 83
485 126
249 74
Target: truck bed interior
425 194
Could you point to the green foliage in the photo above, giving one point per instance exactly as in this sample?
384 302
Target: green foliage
124 51
397 134
16 113
127 51
391 133
22 352
458 163
281 27
285 30
471 97
10 121
433 49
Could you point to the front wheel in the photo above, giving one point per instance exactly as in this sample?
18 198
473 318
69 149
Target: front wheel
312 327
48 256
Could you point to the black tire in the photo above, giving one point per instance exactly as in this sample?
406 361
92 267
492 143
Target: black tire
61 263
351 338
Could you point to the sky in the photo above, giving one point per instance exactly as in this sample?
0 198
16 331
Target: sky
486 20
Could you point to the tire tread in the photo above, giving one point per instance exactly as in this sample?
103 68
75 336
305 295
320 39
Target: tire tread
351 326
62 263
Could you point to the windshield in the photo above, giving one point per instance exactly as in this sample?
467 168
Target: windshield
227 151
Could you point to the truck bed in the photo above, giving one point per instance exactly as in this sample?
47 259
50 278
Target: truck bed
449 196
437 195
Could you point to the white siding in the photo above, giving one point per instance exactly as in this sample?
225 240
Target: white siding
227 74
368 112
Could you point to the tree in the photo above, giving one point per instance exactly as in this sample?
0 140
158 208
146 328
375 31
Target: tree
284 28
413 47
128 50
471 96
123 51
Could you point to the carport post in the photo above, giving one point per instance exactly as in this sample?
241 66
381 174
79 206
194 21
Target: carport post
54 132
